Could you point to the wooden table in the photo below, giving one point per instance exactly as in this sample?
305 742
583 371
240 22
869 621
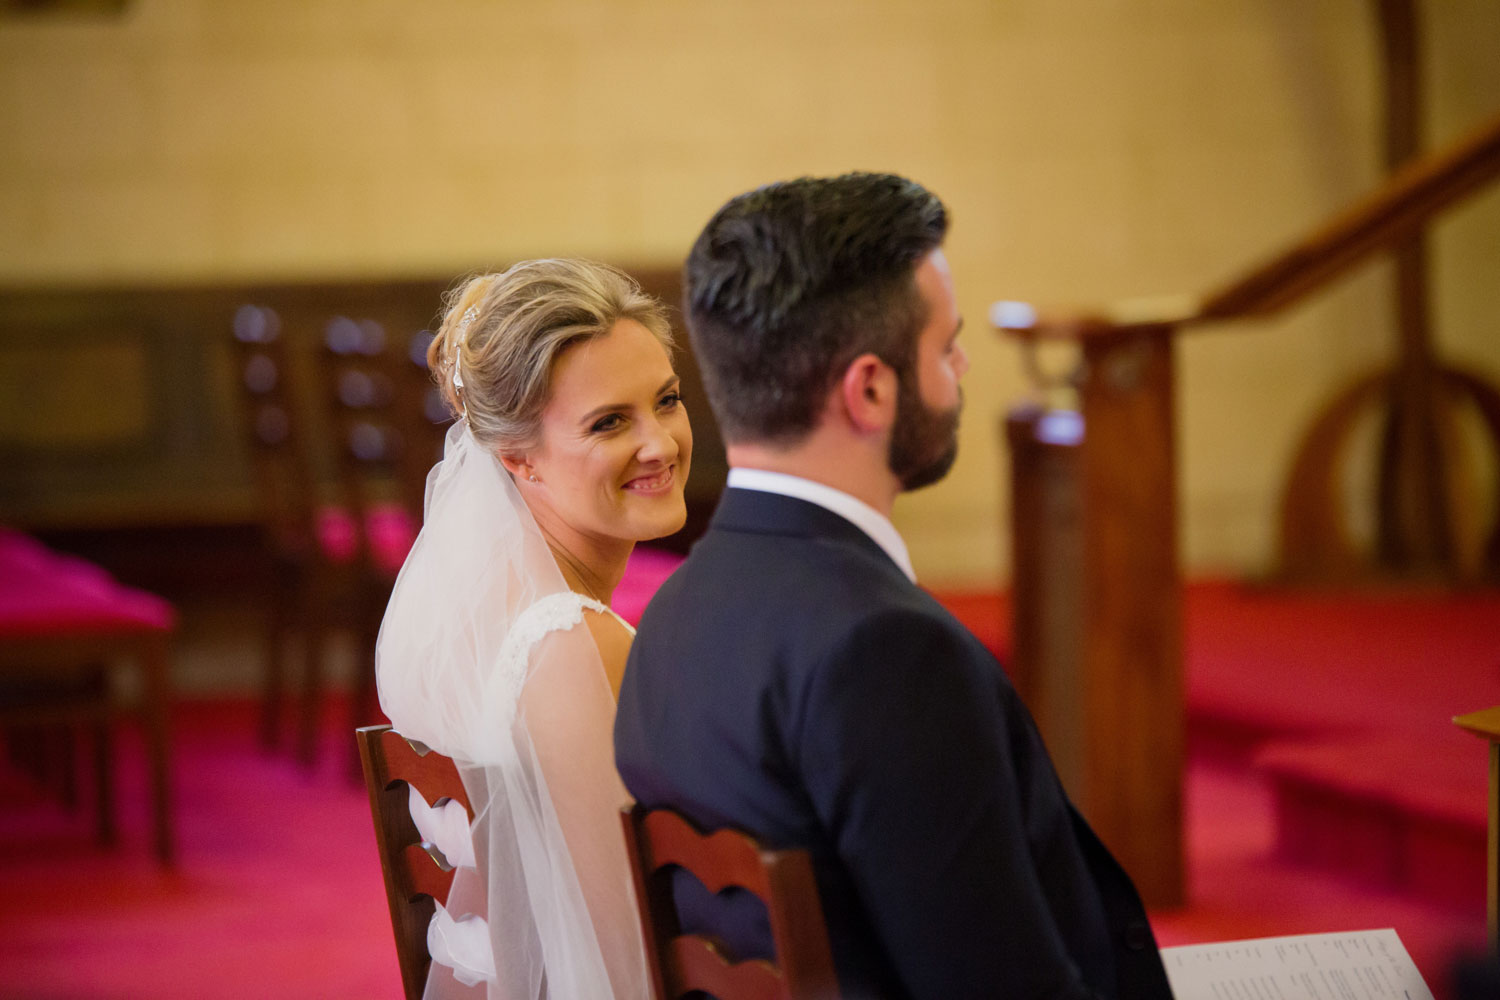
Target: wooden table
61 616
1486 724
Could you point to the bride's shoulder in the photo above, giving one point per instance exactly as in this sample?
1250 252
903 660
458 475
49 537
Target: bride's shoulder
563 612
613 637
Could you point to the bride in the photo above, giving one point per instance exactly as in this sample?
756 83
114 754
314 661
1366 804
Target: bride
499 648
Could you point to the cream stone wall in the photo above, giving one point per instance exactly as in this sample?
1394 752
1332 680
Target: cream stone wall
1088 149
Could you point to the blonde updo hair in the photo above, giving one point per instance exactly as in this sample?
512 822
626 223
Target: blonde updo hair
519 323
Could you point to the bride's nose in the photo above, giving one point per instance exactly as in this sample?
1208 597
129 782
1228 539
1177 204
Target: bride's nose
657 443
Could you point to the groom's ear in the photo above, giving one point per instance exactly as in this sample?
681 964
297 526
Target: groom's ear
867 394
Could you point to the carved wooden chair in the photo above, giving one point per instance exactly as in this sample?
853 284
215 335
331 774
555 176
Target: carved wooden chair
41 720
65 625
303 582
390 422
386 437
680 964
414 875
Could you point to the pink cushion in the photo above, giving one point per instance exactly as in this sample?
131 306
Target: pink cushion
338 540
647 570
388 527
43 592
390 531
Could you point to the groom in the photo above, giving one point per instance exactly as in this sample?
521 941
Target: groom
792 681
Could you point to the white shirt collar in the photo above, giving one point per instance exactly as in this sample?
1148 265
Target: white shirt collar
864 517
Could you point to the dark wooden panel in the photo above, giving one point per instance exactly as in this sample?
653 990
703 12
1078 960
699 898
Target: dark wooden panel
120 411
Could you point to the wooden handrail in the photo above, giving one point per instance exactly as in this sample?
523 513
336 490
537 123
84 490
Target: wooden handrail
1380 220
1111 631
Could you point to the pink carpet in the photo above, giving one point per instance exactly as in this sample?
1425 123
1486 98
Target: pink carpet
278 890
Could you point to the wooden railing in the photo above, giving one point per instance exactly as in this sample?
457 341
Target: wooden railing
1400 208
1098 637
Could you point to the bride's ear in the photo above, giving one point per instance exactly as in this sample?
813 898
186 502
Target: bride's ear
518 466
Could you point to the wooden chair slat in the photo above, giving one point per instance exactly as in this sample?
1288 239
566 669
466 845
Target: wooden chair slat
434 775
722 859
428 878
679 964
413 879
698 964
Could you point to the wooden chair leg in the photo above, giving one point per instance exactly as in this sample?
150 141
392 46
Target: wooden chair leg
46 755
274 695
309 709
60 746
155 708
100 735
362 700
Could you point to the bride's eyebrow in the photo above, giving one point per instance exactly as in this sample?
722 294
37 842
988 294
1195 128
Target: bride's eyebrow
600 411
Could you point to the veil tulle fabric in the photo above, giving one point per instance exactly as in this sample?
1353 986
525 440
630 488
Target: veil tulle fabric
483 656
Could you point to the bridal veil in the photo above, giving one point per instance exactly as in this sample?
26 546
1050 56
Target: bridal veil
475 661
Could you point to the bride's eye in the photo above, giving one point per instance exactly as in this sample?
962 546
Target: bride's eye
608 422
671 400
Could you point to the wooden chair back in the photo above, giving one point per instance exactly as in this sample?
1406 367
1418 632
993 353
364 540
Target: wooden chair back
424 413
274 430
384 444
660 840
386 419
414 878
303 585
358 382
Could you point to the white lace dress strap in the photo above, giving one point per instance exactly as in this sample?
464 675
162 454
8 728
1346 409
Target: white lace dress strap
553 613
616 615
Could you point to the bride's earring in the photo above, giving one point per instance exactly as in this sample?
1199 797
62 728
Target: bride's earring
532 477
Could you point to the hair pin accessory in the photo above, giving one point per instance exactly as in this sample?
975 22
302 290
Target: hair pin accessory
458 343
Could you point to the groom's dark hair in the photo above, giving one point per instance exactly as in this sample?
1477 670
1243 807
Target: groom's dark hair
789 283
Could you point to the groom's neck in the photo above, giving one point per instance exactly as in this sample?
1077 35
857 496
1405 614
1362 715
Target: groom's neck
856 467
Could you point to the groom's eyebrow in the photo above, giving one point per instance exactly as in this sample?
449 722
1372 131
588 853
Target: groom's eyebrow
600 411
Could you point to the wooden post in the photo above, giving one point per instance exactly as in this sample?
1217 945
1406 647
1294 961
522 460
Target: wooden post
1415 532
1131 658
1046 533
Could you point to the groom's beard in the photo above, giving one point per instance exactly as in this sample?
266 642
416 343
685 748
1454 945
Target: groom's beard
924 441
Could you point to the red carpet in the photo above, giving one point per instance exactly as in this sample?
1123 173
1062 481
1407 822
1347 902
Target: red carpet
1345 706
278 892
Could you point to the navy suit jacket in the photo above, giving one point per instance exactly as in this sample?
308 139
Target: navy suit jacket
790 681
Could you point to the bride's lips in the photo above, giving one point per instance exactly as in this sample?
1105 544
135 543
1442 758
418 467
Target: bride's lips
655 483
